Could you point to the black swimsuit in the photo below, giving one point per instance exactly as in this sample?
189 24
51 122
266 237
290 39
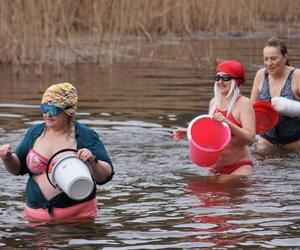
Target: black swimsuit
288 128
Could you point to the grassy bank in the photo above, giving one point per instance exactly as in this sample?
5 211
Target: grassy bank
66 31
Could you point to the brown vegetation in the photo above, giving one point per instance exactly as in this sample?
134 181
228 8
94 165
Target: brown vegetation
67 31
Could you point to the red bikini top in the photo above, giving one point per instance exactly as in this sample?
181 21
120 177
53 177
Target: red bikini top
230 118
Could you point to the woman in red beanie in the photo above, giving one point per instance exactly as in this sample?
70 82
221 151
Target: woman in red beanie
279 83
228 105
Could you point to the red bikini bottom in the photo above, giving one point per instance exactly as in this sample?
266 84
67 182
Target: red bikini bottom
231 168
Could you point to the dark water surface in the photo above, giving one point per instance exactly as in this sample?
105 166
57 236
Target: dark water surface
158 199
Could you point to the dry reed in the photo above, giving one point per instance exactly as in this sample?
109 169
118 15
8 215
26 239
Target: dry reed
66 31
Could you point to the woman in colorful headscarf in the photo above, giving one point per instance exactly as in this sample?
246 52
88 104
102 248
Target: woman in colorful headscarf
59 131
279 83
228 105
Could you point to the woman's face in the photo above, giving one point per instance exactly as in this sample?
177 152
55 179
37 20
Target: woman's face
274 61
223 84
57 121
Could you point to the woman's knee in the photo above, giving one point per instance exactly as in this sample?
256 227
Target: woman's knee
265 147
243 170
294 146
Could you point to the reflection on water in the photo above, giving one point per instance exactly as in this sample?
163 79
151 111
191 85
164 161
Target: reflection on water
158 199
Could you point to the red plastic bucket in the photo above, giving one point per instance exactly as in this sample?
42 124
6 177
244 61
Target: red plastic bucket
207 139
266 116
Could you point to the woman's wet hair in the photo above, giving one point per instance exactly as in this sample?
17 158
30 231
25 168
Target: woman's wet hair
280 45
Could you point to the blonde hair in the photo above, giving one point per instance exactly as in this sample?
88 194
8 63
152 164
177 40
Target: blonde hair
233 94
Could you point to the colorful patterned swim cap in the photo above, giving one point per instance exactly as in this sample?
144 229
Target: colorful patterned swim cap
62 95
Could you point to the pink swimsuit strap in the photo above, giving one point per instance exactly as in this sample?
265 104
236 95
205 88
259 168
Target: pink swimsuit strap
230 117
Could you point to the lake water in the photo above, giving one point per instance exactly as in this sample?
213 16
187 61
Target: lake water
157 199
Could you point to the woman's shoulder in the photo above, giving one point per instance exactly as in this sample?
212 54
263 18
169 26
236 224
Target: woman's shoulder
31 134
243 98
296 73
86 137
259 76
295 76
243 106
296 83
261 72
244 101
83 130
36 128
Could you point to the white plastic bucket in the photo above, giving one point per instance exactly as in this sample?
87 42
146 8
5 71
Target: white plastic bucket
73 177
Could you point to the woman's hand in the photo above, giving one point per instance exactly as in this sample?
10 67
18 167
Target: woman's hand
5 151
219 117
86 155
100 170
278 103
10 160
179 134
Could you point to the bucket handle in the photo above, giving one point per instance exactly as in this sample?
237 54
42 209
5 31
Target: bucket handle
51 158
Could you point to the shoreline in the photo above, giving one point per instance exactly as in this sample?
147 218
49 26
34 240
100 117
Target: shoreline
129 48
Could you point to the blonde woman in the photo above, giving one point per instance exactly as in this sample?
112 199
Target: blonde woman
58 131
228 105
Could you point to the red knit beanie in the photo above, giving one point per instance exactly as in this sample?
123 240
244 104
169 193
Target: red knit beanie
233 68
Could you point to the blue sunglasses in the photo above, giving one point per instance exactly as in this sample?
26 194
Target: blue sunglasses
50 109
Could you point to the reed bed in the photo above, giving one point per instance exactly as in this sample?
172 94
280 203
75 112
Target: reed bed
58 32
